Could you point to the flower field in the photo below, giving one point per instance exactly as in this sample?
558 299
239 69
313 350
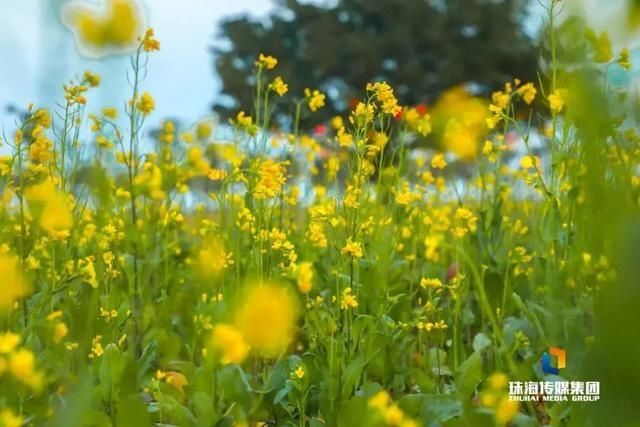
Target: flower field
395 266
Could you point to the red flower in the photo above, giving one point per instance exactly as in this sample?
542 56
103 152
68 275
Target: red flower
320 130
422 109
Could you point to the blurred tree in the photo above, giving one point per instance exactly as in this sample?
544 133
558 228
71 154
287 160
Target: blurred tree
420 47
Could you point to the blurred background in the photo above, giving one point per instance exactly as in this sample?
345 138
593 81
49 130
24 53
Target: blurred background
421 47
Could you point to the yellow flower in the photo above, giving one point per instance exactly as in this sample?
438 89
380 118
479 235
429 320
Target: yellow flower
60 331
13 285
438 161
380 400
304 275
362 114
528 92
299 372
345 139
348 300
315 99
91 79
8 342
212 258
22 367
245 123
9 419
337 122
99 30
352 249
384 95
623 59
204 130
556 101
149 43
267 319
601 44
506 410
271 178
430 283
266 61
96 347
146 104
228 342
528 162
110 112
279 86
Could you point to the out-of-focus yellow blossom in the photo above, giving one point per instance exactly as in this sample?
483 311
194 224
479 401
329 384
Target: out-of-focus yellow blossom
245 123
556 101
266 318
110 112
430 283
601 44
345 139
529 162
227 342
623 59
383 93
438 161
22 367
91 79
315 99
14 285
528 92
266 61
8 342
495 397
145 104
352 249
212 258
271 178
60 331
390 412
362 114
460 119
8 418
149 42
96 347
112 27
417 121
299 372
204 130
337 122
304 276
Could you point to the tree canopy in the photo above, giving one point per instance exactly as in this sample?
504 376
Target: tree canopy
420 47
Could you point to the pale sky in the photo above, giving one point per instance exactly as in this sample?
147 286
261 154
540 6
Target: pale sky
38 58
38 54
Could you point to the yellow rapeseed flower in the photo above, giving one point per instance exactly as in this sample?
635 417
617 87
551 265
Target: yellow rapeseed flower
266 61
13 285
267 319
556 101
315 99
228 343
22 367
113 27
145 104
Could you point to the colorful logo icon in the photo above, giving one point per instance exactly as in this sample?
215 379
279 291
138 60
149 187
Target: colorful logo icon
554 360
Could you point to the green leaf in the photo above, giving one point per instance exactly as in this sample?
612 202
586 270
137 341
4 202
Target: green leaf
469 374
351 375
112 366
